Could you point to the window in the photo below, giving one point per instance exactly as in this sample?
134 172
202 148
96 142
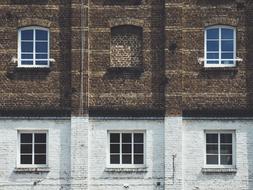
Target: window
220 148
126 149
32 150
33 48
220 46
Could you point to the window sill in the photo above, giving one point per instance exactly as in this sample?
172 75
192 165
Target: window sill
219 170
234 68
128 170
32 170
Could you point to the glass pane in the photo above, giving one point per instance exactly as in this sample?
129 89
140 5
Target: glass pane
40 138
227 45
226 138
213 33
41 56
227 62
138 159
40 159
26 159
26 137
211 138
126 148
41 47
26 56
27 35
138 148
226 149
41 35
212 46
126 137
212 62
212 159
212 149
114 159
126 159
138 137
26 62
227 33
26 148
227 56
212 56
114 148
40 148
41 62
26 47
114 137
226 160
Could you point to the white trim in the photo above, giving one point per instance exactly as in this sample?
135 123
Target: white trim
33 131
18 60
109 165
219 27
233 132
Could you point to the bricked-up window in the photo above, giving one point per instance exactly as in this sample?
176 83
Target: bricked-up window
220 46
220 148
126 149
32 148
126 46
33 48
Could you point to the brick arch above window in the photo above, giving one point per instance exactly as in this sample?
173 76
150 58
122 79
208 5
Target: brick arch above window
233 22
34 22
126 21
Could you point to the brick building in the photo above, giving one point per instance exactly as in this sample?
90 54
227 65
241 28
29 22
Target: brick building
129 94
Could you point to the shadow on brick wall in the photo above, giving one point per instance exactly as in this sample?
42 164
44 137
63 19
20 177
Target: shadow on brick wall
24 2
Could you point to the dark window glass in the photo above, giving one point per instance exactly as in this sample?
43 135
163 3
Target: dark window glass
138 138
40 138
138 148
126 148
213 33
213 46
126 137
212 149
26 159
26 138
26 62
40 148
41 62
114 159
212 56
41 35
138 159
126 159
42 47
227 56
212 159
227 33
212 138
226 149
41 56
226 138
212 62
27 47
40 159
114 148
226 160
27 35
227 45
114 137
26 56
26 148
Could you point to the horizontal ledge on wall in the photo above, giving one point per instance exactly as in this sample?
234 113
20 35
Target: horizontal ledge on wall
219 170
134 170
32 170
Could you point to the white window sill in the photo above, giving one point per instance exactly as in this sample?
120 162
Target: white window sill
136 170
32 169
219 170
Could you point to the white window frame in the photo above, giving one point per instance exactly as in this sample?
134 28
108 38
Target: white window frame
233 165
234 44
19 165
109 165
34 48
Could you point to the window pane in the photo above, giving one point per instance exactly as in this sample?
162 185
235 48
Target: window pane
138 137
213 33
26 138
226 138
227 33
212 62
26 62
211 138
212 149
114 137
226 149
227 45
40 138
227 62
26 148
126 148
41 56
26 47
40 159
227 56
27 35
138 159
41 62
26 56
41 35
212 159
126 137
114 148
212 56
114 159
126 159
26 159
138 148
212 46
226 159
41 47
40 148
